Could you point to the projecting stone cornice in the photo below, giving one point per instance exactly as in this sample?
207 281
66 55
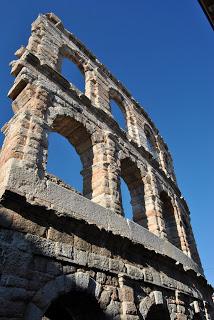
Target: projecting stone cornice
49 195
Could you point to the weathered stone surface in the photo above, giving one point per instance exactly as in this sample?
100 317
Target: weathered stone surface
58 245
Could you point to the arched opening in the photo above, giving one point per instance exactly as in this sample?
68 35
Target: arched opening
132 177
70 65
169 220
80 141
116 102
74 306
150 142
158 312
118 114
63 161
72 72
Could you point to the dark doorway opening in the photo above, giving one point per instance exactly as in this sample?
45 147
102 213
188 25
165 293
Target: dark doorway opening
75 306
158 313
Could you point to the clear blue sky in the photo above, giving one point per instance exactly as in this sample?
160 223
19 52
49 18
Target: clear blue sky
163 52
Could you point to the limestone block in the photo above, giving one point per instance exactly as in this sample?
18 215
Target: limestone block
80 257
134 272
25 225
98 261
126 294
116 265
59 236
64 250
129 308
105 298
81 244
158 297
113 309
82 280
41 246
196 306
101 277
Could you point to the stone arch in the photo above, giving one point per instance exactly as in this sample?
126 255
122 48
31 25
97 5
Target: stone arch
72 55
153 303
151 143
131 174
70 307
92 149
69 59
70 112
127 110
77 134
61 285
116 97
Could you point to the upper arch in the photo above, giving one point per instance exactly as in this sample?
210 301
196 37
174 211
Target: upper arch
73 55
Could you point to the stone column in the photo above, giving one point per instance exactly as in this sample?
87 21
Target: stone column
105 173
192 246
206 311
126 295
181 230
97 89
138 203
152 205
180 306
90 84
44 43
131 121
25 134
163 153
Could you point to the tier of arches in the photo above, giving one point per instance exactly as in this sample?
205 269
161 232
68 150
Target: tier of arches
101 174
114 103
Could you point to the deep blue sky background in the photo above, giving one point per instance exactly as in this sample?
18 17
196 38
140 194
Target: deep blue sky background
163 52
